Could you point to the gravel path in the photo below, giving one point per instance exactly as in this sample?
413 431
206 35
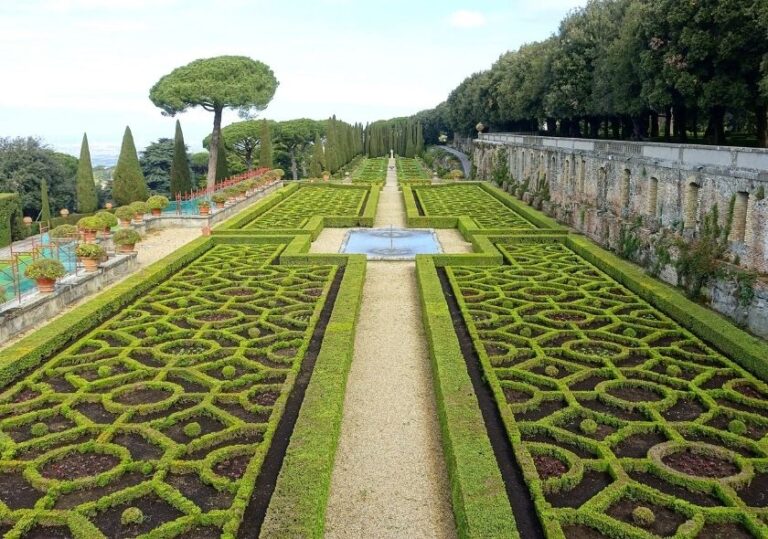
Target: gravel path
389 478
154 246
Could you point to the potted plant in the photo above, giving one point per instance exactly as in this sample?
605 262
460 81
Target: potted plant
139 209
232 193
64 233
45 271
125 214
241 190
326 175
90 254
157 203
249 186
89 226
126 239
219 199
108 219
204 206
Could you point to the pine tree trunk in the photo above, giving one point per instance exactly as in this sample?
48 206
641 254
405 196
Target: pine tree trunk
762 125
249 159
213 148
667 123
654 125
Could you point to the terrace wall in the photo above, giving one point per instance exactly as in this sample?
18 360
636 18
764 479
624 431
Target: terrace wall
601 188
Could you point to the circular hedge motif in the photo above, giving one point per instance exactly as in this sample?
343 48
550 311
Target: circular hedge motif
702 461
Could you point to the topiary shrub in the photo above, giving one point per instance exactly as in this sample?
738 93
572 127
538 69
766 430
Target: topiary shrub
45 268
228 371
525 332
254 332
89 250
150 332
643 516
126 236
125 213
588 426
91 223
157 202
107 218
629 332
192 429
551 371
674 371
64 232
737 426
132 515
38 429
104 371
139 207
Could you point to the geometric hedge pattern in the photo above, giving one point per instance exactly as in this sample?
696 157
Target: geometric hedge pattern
611 405
371 170
470 200
311 201
164 407
410 170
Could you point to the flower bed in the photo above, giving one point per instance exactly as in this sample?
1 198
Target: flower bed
624 422
158 419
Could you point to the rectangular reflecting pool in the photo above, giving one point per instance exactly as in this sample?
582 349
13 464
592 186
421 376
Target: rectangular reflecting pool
391 243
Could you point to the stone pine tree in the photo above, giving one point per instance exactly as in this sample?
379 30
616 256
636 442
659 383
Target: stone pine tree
222 169
265 149
128 184
215 84
85 186
45 205
180 177
316 163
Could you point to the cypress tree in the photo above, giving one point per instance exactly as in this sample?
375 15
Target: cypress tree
222 169
85 186
45 206
265 148
128 184
180 177
316 164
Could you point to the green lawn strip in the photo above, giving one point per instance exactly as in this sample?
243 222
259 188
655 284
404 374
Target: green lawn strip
298 505
480 502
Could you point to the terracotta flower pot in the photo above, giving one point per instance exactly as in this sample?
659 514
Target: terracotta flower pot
125 223
45 285
204 210
157 212
90 264
220 205
139 218
127 248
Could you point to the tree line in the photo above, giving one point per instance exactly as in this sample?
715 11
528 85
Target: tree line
627 69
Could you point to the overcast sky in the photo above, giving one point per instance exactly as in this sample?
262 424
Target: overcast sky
70 66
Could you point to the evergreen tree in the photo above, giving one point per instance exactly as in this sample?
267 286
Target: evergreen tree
45 206
419 139
128 183
180 177
222 170
85 186
265 149
316 164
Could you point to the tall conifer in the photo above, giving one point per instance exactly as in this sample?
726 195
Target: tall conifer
45 206
222 168
128 184
316 164
180 176
85 186
265 148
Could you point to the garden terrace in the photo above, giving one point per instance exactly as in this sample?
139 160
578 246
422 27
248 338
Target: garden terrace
171 402
302 207
411 171
371 170
607 402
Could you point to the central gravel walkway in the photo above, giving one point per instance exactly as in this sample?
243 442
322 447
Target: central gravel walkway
389 479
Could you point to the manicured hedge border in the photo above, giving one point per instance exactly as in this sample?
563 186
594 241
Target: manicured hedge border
298 505
480 502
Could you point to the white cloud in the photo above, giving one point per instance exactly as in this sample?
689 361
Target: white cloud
467 19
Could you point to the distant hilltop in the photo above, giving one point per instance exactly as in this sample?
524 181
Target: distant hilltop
104 160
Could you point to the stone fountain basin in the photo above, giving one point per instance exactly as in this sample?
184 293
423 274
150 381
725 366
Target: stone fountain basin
391 243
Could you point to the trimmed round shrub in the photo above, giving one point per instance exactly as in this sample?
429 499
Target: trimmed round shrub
228 371
139 207
45 268
147 468
126 236
573 283
182 302
674 371
588 426
124 213
254 332
104 371
219 197
89 250
643 516
192 429
157 202
551 371
38 429
150 332
91 222
132 515
737 426
278 172
107 218
525 332
629 332
64 231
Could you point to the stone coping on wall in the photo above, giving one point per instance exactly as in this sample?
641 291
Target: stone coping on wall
36 307
750 163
